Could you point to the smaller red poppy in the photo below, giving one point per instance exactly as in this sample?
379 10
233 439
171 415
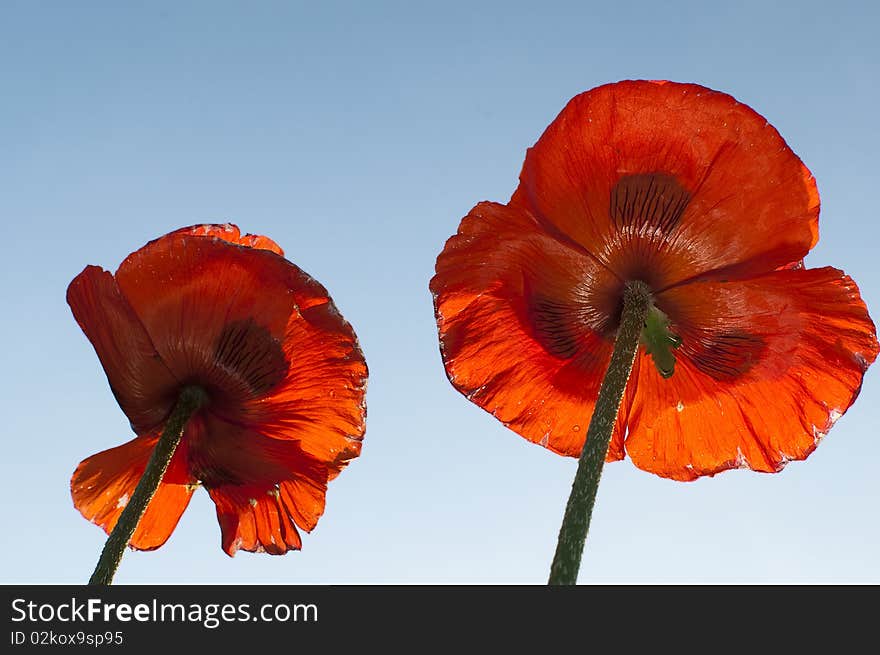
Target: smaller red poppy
283 372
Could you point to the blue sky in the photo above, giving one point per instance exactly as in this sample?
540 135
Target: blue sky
357 135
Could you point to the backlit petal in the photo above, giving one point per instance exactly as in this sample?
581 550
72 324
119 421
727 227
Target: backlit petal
666 182
263 488
254 519
216 313
103 484
525 325
322 401
231 233
140 381
220 453
765 367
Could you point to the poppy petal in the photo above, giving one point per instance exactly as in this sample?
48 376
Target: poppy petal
214 311
261 520
102 485
230 233
255 520
322 401
525 325
666 182
802 338
263 488
223 453
138 377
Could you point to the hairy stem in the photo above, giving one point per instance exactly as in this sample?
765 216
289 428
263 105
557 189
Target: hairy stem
576 523
190 399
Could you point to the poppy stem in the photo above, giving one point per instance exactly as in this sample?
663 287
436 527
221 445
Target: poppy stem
578 512
190 399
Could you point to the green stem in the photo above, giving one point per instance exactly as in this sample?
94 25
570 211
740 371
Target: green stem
576 523
190 399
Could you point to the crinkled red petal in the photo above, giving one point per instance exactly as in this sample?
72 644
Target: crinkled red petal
765 368
321 402
231 233
526 326
667 182
102 485
141 382
263 488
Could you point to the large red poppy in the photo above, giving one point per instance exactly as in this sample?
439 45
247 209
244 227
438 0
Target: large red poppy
282 369
697 195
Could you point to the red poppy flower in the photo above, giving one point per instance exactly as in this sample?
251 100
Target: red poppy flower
282 369
695 194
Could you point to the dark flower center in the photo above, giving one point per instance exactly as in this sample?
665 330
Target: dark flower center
247 363
648 203
249 357
645 209
727 355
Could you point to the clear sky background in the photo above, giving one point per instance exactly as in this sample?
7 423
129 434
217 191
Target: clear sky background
357 135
